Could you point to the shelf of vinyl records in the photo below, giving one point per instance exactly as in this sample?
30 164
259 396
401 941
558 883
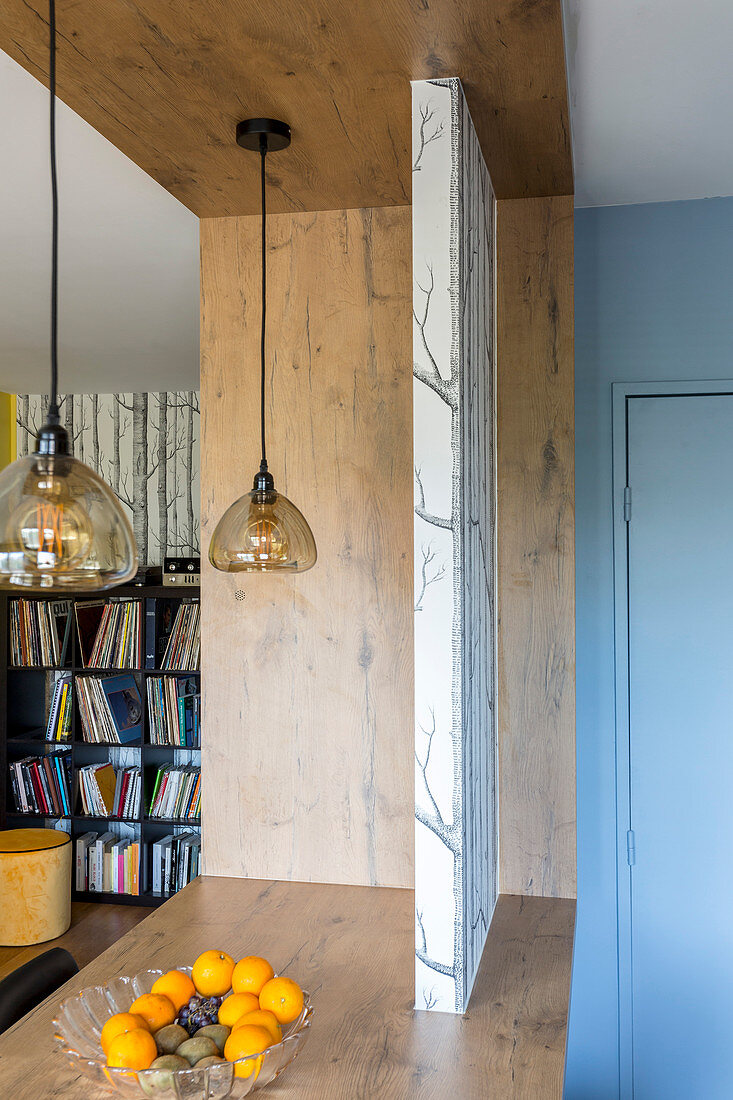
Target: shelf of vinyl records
101 730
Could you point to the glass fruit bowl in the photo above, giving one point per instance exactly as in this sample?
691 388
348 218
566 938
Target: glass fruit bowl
79 1025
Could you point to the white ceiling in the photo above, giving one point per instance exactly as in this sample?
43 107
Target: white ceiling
651 99
129 275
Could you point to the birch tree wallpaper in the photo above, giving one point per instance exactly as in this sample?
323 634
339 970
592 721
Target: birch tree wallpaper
146 447
455 736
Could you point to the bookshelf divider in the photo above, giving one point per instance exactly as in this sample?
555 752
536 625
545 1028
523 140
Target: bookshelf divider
23 716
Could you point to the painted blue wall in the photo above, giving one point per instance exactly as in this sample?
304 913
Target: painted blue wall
653 301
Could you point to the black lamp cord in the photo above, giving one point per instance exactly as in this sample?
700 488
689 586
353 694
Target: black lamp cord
53 406
263 155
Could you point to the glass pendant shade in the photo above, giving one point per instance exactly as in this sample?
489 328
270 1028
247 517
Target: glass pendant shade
262 531
61 527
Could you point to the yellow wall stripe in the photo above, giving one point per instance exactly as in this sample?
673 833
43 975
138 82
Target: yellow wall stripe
8 430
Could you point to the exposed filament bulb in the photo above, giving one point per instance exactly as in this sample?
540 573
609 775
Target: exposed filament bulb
266 540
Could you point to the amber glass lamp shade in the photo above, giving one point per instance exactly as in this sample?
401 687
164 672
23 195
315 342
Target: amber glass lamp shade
263 531
61 527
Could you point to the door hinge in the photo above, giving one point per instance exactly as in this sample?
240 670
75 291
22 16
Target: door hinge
630 848
627 503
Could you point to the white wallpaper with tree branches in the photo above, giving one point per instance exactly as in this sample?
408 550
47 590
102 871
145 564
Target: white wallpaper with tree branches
455 740
146 446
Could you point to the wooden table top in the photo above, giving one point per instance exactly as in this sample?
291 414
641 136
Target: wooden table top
351 947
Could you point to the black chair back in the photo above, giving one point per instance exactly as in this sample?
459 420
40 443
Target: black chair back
31 983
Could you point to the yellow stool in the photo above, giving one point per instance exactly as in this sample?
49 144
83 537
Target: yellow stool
35 886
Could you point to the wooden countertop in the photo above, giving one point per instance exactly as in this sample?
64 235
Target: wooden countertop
352 948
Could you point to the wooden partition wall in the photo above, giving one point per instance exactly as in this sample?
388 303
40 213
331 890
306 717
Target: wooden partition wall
535 546
309 679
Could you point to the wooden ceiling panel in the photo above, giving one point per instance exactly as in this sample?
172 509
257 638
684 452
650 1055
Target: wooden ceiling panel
167 82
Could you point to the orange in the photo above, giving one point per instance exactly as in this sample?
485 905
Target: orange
176 986
251 974
156 1010
284 998
243 1043
212 973
118 1025
268 1020
235 1005
133 1050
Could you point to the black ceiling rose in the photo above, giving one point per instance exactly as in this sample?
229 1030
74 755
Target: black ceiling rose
251 131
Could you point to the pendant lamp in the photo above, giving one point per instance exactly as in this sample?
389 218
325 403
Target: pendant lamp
263 531
61 526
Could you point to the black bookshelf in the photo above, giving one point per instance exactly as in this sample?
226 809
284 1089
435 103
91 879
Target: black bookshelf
23 719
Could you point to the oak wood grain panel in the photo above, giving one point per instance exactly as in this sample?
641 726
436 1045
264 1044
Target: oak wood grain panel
308 682
93 928
167 83
535 530
352 948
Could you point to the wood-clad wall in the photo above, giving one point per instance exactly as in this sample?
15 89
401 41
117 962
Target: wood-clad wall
308 679
535 532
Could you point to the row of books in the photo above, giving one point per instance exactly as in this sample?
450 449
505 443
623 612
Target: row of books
110 708
176 793
174 711
176 861
39 632
105 792
40 784
110 633
58 727
183 650
118 641
107 864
